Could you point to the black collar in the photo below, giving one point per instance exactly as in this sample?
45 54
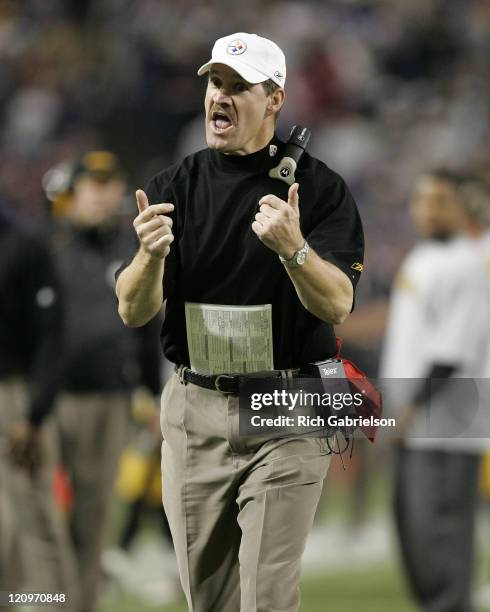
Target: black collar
261 160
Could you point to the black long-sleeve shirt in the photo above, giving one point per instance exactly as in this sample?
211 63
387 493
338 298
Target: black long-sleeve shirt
101 354
31 316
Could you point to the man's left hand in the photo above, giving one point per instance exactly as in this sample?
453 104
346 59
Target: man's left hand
277 223
25 445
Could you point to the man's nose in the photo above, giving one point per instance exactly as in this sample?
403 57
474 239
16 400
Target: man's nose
221 96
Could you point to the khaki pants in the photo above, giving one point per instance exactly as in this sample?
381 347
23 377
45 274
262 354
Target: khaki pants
34 545
239 509
11 574
92 430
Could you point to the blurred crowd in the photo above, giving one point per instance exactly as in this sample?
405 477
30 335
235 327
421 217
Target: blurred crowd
388 88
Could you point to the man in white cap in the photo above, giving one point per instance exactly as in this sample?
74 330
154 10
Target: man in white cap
254 280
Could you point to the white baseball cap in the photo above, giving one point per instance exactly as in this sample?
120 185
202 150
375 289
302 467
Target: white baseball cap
255 58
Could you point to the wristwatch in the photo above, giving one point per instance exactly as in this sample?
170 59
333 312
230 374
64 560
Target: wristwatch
298 259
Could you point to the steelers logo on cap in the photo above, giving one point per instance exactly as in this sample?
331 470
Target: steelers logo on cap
236 47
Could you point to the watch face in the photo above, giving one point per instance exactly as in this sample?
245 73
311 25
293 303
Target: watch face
301 258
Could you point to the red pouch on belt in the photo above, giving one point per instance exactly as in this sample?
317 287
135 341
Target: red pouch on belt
373 404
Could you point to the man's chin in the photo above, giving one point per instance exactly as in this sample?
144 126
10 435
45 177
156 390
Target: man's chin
219 144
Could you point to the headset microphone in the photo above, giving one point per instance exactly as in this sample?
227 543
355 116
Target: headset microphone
294 149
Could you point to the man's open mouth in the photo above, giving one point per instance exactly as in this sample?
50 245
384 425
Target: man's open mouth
221 121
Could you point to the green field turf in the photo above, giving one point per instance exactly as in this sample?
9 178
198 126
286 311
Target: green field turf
374 590
379 588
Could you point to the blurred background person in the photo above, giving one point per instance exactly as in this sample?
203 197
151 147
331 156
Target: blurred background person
139 493
438 334
103 361
34 548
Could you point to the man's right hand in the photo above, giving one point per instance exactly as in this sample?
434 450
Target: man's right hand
153 228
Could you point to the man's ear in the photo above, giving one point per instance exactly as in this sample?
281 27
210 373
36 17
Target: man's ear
275 102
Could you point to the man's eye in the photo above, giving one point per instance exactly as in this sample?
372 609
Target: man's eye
240 87
215 82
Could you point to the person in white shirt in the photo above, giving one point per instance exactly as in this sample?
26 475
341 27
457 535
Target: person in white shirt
436 345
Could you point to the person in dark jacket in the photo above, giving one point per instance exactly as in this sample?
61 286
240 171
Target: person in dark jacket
104 361
34 547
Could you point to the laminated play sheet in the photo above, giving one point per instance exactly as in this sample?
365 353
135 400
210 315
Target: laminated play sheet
229 339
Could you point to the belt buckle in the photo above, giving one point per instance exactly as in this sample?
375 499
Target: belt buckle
181 370
216 383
